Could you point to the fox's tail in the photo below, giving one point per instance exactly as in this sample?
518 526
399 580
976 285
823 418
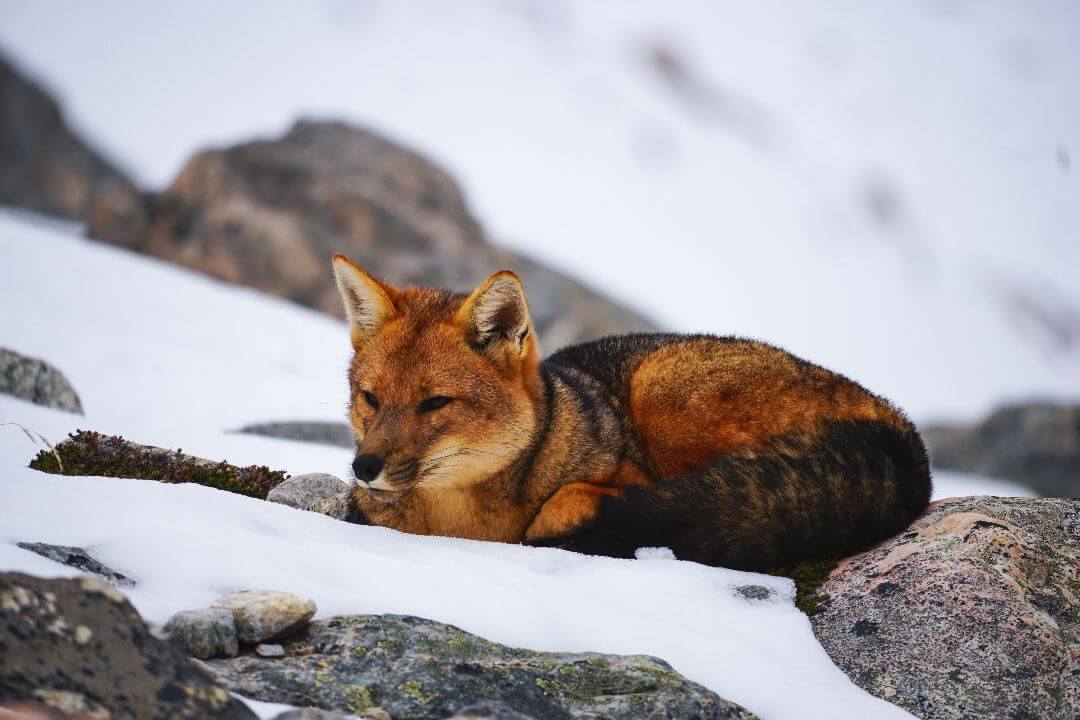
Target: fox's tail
828 492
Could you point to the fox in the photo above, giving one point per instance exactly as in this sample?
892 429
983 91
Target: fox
729 451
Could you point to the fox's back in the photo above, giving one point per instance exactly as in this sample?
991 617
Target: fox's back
693 398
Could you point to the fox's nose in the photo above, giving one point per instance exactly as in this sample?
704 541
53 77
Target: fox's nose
367 467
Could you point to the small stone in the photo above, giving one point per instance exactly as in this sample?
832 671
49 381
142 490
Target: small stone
203 633
79 559
269 651
265 615
311 713
489 711
306 492
83 634
754 592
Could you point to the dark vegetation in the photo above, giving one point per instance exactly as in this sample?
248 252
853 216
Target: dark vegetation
91 453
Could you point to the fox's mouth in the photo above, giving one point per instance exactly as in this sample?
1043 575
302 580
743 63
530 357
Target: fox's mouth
381 488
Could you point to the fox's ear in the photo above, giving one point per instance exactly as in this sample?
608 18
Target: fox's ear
496 319
368 301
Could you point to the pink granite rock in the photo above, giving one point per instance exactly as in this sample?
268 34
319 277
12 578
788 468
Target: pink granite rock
973 612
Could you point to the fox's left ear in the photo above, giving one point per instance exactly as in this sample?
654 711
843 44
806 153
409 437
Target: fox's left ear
369 302
495 317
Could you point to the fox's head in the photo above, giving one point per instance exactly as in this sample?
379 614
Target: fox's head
443 387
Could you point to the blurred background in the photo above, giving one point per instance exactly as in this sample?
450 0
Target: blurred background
888 189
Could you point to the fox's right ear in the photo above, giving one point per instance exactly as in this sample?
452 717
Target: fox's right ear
369 302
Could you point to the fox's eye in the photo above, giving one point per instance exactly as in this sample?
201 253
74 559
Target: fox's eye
371 400
434 403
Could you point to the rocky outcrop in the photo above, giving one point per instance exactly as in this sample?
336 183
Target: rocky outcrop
973 612
1036 444
271 213
80 559
419 669
76 648
44 165
36 381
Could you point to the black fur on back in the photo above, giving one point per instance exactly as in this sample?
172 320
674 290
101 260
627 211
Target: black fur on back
830 491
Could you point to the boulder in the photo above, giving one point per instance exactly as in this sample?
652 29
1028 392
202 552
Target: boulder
79 559
76 647
269 214
44 165
203 633
36 381
262 615
311 491
1035 444
974 611
420 669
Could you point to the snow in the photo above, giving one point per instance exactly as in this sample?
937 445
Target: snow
168 357
889 190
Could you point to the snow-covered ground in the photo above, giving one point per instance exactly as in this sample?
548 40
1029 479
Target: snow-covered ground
168 357
889 189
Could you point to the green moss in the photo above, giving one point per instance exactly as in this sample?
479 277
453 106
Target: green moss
808 577
549 687
569 670
91 453
322 680
359 651
415 690
359 697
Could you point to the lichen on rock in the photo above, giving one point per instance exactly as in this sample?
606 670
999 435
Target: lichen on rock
415 668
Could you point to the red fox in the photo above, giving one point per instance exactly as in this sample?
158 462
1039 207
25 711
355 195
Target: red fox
729 451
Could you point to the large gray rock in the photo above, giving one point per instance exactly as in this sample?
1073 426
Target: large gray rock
423 670
262 615
271 213
311 491
79 559
1036 444
37 381
974 612
44 165
204 633
76 647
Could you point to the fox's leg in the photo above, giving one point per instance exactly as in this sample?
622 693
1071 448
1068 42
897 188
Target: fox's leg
571 507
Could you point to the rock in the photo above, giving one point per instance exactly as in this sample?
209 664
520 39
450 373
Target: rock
35 380
79 559
754 592
269 651
44 165
77 647
265 615
271 213
205 633
338 434
424 670
308 492
314 714
973 612
1036 444
489 711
